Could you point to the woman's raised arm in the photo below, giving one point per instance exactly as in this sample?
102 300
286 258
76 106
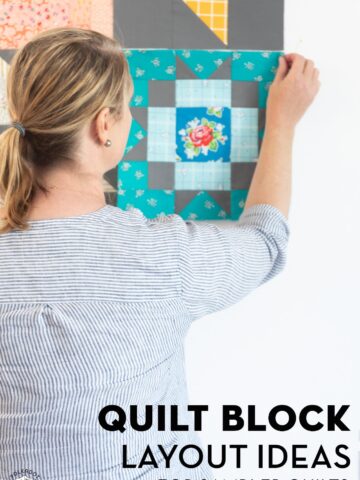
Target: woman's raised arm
292 92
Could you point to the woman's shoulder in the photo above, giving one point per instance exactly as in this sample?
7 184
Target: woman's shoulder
160 231
136 215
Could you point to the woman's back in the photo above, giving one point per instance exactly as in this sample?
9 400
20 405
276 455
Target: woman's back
94 310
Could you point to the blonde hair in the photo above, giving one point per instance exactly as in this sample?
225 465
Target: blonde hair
56 82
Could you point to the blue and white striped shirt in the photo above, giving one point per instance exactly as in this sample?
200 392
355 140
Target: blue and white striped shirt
94 310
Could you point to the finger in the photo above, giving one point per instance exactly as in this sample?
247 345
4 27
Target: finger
309 68
290 57
298 64
282 69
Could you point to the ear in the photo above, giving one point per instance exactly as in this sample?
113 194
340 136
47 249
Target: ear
103 122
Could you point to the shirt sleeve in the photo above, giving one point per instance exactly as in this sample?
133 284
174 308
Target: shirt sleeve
218 266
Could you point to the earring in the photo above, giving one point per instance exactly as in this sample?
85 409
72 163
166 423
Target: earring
108 143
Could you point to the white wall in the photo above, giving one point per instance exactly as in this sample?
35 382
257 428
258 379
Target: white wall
295 340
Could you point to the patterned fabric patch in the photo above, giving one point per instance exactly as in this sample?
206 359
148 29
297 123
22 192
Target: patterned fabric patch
152 203
141 94
19 21
152 64
161 133
202 176
203 93
203 134
133 175
245 136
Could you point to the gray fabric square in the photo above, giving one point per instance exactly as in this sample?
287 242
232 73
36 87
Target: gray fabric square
256 24
161 175
161 93
244 94
241 175
143 23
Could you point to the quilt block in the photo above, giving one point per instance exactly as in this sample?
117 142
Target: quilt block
198 121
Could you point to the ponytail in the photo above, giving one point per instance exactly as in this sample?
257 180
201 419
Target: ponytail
16 181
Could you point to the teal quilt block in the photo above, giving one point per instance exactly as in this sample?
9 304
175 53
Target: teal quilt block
198 123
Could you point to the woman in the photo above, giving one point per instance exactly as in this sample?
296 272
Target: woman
95 301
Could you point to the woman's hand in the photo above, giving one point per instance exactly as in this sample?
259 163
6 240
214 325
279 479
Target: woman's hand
293 90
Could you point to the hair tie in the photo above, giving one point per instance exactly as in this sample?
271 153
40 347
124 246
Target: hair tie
19 126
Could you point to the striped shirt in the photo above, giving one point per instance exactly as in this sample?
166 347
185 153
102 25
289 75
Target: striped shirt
94 310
